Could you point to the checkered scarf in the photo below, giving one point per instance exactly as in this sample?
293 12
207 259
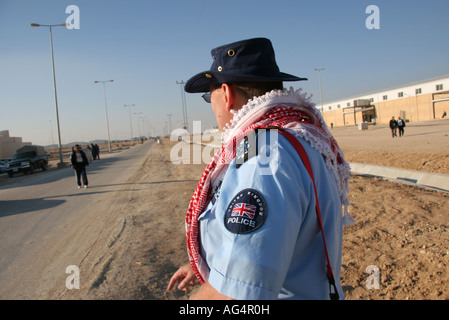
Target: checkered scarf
287 109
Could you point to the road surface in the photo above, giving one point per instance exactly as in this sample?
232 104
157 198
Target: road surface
47 224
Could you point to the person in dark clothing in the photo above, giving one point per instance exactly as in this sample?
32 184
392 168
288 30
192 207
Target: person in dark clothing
79 163
401 125
97 150
393 127
94 152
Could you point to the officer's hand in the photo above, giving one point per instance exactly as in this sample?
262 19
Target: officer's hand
186 278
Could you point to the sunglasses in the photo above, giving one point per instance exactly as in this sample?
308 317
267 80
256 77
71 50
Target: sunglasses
207 97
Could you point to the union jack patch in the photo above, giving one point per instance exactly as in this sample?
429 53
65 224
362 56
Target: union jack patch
246 212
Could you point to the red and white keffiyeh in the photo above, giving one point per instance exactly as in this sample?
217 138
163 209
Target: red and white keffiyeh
287 109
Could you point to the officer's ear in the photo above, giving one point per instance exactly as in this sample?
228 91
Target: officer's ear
228 95
233 99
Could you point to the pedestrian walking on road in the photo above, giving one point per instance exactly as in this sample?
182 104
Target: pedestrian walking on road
97 151
393 127
94 151
401 125
79 163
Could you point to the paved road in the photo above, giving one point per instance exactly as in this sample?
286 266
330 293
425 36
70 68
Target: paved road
38 213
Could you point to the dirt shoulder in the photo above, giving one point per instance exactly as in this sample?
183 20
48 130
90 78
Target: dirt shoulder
145 242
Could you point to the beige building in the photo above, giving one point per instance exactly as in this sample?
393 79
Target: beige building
9 145
421 101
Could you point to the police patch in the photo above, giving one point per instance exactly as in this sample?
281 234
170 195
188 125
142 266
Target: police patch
246 212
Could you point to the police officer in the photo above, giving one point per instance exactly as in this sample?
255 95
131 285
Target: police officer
262 224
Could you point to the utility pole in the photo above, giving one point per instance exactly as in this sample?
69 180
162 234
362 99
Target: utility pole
61 163
183 101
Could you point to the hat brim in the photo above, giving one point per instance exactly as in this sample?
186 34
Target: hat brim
202 81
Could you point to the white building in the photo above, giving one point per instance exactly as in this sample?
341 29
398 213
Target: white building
420 101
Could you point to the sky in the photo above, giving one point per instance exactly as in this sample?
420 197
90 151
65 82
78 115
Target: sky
148 47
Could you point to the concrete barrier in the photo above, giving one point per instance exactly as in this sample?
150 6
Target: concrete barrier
434 181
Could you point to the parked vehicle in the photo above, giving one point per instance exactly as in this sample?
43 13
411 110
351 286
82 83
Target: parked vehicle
2 166
27 159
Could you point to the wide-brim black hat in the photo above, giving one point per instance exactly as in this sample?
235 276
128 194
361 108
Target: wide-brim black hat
251 60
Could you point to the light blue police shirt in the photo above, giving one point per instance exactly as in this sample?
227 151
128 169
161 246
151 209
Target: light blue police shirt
260 235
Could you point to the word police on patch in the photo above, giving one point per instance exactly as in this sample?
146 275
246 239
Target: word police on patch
246 212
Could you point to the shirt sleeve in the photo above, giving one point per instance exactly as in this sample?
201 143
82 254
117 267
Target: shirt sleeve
259 211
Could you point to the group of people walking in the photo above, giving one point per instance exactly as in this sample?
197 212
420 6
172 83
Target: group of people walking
397 125
95 151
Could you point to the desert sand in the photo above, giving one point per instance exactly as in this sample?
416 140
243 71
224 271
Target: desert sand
400 229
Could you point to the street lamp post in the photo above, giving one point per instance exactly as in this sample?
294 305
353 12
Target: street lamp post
130 121
138 124
143 126
106 110
36 25
321 93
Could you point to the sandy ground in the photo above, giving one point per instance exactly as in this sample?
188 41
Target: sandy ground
424 147
400 229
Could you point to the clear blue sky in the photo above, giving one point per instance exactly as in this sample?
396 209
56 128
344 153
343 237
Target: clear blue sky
146 46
